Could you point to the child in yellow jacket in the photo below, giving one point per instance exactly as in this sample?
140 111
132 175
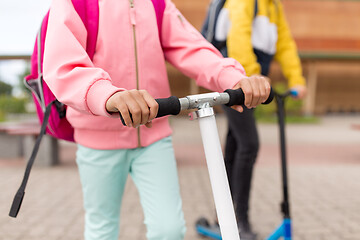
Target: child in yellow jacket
256 32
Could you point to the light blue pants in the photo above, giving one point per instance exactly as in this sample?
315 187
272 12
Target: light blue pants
103 175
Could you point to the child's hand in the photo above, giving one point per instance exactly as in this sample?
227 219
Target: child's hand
256 89
139 103
300 90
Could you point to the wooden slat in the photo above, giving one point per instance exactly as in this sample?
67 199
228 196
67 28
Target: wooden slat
14 57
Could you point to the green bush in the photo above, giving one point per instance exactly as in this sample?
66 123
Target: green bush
5 88
293 109
2 116
9 104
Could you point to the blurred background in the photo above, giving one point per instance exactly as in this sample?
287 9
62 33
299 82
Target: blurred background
323 135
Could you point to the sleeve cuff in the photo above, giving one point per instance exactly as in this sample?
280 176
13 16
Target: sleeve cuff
97 96
229 77
297 81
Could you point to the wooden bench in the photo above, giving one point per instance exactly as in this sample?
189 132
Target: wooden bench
18 139
10 145
311 60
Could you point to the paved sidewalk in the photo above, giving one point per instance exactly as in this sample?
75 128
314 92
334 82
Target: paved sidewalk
324 167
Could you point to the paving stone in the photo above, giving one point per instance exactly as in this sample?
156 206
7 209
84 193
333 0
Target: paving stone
324 195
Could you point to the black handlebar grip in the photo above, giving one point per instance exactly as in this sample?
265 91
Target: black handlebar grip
237 97
167 106
271 97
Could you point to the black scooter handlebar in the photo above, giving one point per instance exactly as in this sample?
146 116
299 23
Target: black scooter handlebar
237 97
173 105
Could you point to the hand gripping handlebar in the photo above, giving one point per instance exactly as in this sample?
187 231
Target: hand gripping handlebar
173 105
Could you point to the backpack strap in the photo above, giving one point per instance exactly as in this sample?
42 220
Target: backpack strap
159 6
256 8
88 11
19 196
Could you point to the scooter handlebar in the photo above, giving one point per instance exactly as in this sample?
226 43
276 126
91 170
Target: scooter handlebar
168 106
173 105
237 97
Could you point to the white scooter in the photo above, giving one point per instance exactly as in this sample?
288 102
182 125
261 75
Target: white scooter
215 161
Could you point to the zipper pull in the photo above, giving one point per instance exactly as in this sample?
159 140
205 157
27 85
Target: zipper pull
181 18
132 13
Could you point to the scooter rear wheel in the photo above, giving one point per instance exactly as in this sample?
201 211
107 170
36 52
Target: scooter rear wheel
203 222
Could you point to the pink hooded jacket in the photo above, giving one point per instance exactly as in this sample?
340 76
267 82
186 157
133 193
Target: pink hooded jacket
129 55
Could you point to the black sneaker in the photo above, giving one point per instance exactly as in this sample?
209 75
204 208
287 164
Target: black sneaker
245 231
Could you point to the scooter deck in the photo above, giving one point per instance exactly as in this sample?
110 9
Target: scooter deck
204 228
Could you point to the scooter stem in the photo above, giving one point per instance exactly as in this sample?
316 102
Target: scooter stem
217 172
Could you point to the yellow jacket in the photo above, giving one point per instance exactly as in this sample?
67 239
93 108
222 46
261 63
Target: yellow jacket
267 32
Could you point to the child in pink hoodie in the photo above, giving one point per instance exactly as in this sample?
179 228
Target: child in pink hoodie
127 72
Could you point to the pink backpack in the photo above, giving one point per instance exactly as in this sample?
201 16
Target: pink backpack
51 112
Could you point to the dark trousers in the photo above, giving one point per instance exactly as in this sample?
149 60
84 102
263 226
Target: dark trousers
242 145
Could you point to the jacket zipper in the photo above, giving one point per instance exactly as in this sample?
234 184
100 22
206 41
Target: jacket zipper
133 23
